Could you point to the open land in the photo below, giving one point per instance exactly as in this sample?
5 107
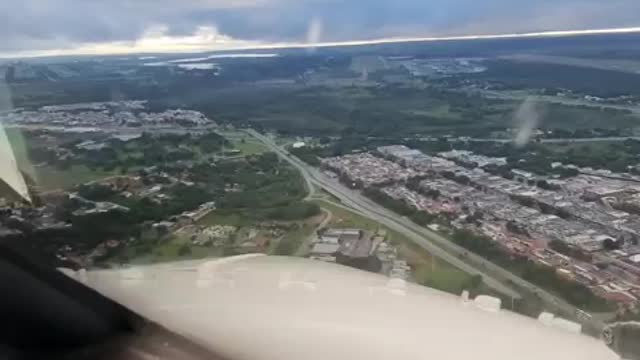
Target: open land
282 155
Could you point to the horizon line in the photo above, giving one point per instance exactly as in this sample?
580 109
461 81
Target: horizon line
550 33
302 45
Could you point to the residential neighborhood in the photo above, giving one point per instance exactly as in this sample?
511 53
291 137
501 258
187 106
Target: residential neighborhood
582 212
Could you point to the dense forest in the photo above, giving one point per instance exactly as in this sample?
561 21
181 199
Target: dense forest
596 82
619 156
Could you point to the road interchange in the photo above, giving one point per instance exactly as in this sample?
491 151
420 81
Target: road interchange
439 246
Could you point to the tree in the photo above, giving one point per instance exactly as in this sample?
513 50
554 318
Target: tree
286 246
462 179
433 193
475 282
516 228
184 250
610 244
543 184
422 218
63 165
477 215
567 250
560 246
295 211
568 172
385 200
96 192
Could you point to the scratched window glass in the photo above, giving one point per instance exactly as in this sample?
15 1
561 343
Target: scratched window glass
279 179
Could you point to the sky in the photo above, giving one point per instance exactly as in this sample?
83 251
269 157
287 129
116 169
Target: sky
46 27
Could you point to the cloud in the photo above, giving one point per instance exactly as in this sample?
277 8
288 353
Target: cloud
45 24
550 15
154 39
36 25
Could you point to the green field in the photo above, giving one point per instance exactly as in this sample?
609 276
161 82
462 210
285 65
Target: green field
294 238
49 178
440 111
444 277
250 147
400 111
583 146
292 241
343 218
243 142
169 250
216 218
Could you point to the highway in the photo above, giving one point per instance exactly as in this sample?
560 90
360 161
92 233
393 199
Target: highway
439 246
367 207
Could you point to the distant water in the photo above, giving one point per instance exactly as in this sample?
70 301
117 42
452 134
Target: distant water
199 66
223 56
210 57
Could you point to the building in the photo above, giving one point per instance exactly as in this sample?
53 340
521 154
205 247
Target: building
358 252
324 249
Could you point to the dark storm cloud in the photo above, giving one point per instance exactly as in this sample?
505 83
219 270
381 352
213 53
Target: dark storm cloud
66 22
43 24
366 19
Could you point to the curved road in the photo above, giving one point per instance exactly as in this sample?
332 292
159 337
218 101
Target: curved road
493 275
305 246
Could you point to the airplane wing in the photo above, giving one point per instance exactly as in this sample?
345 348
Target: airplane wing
9 171
274 308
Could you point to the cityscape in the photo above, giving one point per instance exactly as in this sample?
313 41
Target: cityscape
504 180
584 227
578 214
